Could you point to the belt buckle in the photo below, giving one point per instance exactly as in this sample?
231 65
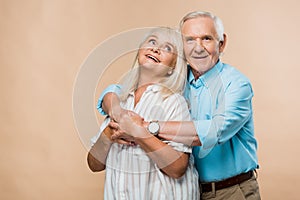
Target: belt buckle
210 187
213 187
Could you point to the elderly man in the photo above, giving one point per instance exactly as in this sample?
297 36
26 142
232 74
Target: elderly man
220 100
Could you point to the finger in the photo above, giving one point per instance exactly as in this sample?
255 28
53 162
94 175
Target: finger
115 136
133 114
121 141
113 125
118 134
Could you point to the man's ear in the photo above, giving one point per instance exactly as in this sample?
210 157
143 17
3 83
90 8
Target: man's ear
222 44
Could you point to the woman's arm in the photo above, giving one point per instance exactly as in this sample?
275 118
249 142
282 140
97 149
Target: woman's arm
96 157
170 161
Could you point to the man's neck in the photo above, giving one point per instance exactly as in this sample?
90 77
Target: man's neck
196 73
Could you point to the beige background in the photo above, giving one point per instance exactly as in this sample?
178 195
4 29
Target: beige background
44 42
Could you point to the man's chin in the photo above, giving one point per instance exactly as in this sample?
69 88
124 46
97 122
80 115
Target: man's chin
198 65
201 65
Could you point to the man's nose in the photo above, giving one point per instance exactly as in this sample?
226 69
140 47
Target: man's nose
198 45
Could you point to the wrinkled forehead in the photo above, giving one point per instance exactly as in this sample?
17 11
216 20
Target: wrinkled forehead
199 27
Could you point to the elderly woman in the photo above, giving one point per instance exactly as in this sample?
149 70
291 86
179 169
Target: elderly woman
149 168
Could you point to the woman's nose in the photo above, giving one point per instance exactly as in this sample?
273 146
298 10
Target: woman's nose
155 49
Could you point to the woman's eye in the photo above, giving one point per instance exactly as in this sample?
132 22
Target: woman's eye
167 48
152 41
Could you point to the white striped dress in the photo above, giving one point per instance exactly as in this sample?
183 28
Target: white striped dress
131 174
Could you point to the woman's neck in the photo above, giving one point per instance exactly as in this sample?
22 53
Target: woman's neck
145 84
147 79
138 93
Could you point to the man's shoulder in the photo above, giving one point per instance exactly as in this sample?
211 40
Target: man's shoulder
232 73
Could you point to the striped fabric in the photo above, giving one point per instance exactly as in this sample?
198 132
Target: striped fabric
131 174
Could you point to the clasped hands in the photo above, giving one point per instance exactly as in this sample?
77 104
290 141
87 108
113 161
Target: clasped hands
126 126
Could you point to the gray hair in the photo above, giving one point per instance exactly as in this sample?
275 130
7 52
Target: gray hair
218 22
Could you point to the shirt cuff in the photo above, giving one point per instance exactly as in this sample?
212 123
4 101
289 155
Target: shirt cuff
207 134
112 88
179 146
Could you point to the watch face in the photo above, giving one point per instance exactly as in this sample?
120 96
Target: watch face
153 128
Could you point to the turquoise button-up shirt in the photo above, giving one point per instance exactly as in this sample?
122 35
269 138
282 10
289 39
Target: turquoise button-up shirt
221 107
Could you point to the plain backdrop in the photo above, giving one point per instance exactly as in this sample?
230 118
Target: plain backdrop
43 44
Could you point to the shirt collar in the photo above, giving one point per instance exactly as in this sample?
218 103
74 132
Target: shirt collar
206 78
154 88
151 88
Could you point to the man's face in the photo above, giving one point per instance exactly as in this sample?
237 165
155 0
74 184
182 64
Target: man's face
201 44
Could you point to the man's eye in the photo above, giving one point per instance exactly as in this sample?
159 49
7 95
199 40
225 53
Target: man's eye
189 39
207 38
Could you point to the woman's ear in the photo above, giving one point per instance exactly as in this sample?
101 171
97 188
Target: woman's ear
170 72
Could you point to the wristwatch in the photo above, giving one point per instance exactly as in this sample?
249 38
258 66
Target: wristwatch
153 127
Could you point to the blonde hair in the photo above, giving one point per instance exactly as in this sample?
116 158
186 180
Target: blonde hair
173 83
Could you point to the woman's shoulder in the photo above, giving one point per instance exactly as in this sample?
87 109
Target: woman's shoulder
175 98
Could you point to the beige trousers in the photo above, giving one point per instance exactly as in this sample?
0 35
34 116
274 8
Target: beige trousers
248 190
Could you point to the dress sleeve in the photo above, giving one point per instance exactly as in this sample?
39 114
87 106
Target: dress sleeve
102 127
177 110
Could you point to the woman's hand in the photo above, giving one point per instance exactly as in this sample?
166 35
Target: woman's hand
130 126
118 136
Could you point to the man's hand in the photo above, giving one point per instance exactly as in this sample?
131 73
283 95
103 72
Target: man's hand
131 125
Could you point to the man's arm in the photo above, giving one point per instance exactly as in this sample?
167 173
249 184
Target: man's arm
116 89
182 132
233 112
111 105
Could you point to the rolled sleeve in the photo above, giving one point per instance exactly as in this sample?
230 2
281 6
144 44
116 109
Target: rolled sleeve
112 88
228 118
179 146
238 110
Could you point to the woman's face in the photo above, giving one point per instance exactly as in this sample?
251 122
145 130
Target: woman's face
158 53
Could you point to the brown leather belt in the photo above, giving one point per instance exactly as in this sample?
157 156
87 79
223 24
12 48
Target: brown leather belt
208 187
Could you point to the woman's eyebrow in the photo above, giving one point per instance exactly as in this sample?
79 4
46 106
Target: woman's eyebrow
153 36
